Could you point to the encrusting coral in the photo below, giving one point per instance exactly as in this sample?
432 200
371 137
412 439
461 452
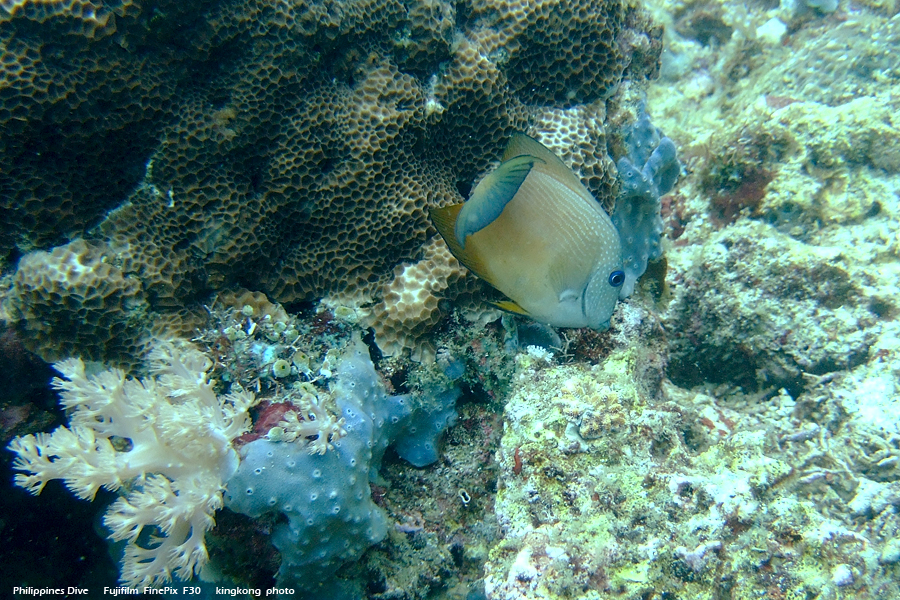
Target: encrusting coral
410 305
164 441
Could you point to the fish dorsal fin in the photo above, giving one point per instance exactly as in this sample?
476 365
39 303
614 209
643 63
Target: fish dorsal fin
521 144
491 196
510 306
444 220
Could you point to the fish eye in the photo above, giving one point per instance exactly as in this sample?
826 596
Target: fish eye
617 278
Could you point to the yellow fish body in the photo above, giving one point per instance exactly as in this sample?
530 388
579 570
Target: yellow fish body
534 232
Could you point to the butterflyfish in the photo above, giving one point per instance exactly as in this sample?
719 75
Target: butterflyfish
534 232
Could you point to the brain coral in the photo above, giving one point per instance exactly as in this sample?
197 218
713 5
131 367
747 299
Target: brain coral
307 140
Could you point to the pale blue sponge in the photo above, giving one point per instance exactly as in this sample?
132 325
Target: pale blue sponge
418 441
331 518
647 173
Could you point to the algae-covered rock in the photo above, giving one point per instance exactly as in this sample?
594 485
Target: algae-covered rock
679 493
757 308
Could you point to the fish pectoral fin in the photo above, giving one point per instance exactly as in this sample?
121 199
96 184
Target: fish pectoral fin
510 306
491 196
569 295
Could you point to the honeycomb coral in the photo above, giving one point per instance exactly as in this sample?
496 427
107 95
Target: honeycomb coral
555 52
411 302
79 114
84 17
367 209
72 302
302 161
578 137
479 113
431 25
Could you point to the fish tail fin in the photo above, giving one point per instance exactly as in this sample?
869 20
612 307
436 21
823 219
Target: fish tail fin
444 220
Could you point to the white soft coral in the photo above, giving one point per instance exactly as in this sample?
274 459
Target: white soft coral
164 440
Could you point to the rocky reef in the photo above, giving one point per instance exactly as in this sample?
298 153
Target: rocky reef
614 485
732 435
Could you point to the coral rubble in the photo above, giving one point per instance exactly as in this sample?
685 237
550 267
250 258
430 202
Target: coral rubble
612 489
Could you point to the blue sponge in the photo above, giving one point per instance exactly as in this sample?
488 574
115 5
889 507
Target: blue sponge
647 173
331 518
418 439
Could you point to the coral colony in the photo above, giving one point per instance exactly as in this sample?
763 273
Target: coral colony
285 384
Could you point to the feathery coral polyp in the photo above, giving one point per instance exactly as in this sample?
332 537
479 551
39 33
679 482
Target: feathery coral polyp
173 472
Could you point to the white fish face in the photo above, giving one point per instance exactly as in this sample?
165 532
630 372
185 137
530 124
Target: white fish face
601 295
